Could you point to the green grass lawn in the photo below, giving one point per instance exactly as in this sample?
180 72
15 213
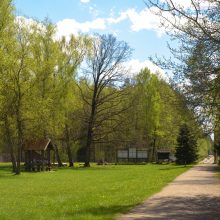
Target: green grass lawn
99 192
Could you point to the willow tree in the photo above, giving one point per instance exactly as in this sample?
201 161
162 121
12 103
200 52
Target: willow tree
103 79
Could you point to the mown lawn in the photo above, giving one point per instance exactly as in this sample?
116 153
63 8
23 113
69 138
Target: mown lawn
99 192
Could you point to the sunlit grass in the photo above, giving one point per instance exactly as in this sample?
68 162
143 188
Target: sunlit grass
99 192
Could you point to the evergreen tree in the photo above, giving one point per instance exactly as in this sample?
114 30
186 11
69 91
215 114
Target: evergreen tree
186 150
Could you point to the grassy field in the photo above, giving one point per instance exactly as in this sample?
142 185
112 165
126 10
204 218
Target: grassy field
99 192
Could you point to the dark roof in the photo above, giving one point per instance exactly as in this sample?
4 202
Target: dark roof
163 151
37 145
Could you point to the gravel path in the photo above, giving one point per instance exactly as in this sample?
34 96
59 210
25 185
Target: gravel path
193 195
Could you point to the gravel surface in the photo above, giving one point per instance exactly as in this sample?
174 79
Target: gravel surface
193 195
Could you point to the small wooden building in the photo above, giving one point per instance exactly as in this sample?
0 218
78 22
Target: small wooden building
38 154
163 155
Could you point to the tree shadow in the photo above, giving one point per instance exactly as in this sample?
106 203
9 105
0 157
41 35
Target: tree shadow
197 182
178 208
210 167
99 211
5 167
175 167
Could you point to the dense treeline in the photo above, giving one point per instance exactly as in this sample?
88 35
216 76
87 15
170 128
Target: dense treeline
195 60
76 92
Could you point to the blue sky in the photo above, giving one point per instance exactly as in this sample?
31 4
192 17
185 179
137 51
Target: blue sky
128 20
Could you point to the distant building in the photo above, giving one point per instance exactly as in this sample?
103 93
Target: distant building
5 157
132 154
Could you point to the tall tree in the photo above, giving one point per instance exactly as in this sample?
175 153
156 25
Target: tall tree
151 106
15 84
73 53
186 150
103 78
7 42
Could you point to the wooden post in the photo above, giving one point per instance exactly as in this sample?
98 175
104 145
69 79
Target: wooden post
27 161
48 159
31 161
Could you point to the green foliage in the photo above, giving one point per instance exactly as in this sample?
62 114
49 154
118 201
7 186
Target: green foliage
97 193
40 77
37 79
217 140
155 115
205 147
186 150
195 59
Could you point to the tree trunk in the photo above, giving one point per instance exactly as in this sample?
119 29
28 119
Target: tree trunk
215 156
89 136
90 126
20 141
68 146
9 144
88 146
60 164
154 153
13 160
154 150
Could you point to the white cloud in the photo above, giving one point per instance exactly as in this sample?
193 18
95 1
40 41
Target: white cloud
136 65
147 19
142 20
84 1
93 11
123 16
67 27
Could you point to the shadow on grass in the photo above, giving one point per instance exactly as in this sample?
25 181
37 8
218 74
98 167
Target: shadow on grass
174 167
95 168
100 211
6 170
6 167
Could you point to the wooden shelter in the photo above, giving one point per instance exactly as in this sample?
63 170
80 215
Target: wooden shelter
163 155
38 154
